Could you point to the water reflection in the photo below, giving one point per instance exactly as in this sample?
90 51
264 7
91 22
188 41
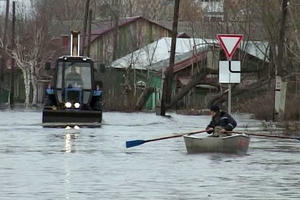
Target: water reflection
70 136
67 180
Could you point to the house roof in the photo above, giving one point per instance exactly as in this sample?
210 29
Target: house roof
156 55
189 61
183 35
105 28
257 49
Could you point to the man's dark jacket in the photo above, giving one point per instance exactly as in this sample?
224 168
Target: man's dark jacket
222 119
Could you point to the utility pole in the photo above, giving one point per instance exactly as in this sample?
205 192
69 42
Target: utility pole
89 32
116 16
3 60
12 80
86 13
280 86
168 73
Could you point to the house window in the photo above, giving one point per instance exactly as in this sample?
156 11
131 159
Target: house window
213 9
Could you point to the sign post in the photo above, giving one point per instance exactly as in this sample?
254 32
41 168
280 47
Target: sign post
229 43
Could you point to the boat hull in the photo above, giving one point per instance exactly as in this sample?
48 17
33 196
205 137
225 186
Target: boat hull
236 144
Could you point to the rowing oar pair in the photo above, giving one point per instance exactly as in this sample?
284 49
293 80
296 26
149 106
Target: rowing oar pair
265 135
134 143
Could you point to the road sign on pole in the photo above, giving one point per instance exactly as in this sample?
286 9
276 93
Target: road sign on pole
229 43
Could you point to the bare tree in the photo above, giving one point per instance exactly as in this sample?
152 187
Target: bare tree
32 49
30 58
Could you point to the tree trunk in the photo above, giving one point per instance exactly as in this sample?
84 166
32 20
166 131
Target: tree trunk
34 86
253 88
27 86
168 80
196 80
143 98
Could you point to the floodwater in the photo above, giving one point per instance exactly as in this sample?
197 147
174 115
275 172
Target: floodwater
46 164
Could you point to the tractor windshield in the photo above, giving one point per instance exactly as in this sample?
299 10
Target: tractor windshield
74 75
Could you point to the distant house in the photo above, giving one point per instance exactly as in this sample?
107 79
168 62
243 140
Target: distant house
192 55
149 61
132 33
213 9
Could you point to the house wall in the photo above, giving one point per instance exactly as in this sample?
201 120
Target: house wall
116 94
130 37
212 59
19 92
155 81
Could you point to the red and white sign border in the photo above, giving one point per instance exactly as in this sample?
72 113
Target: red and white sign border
220 38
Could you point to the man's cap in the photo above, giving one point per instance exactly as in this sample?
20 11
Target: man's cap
215 108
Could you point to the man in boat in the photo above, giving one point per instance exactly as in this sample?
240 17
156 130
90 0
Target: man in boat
220 123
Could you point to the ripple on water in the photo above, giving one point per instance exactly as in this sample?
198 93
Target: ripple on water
39 163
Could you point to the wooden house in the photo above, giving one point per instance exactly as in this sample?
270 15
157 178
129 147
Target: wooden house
131 33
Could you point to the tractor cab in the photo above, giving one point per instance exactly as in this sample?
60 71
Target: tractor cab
74 82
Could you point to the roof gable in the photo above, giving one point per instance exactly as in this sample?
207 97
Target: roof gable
103 29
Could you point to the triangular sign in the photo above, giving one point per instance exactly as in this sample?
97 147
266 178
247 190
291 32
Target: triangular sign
229 43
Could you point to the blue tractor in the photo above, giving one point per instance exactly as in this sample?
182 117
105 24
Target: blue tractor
73 98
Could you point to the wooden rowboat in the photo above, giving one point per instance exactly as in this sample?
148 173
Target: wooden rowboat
235 144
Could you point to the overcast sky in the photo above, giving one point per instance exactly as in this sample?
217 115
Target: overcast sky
25 3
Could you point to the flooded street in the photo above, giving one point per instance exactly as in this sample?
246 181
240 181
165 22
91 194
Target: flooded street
46 164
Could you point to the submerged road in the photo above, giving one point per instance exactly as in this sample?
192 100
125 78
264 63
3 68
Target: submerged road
41 163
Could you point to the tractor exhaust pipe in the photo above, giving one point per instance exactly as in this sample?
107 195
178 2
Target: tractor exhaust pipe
75 43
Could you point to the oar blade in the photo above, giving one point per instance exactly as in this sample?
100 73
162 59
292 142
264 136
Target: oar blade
134 143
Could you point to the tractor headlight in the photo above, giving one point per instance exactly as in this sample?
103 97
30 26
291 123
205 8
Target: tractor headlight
77 105
68 105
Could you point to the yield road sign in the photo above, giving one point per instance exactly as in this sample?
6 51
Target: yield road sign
229 43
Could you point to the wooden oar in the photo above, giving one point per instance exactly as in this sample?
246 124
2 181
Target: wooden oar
264 135
134 143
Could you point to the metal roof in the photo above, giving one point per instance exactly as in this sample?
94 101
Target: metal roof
156 55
